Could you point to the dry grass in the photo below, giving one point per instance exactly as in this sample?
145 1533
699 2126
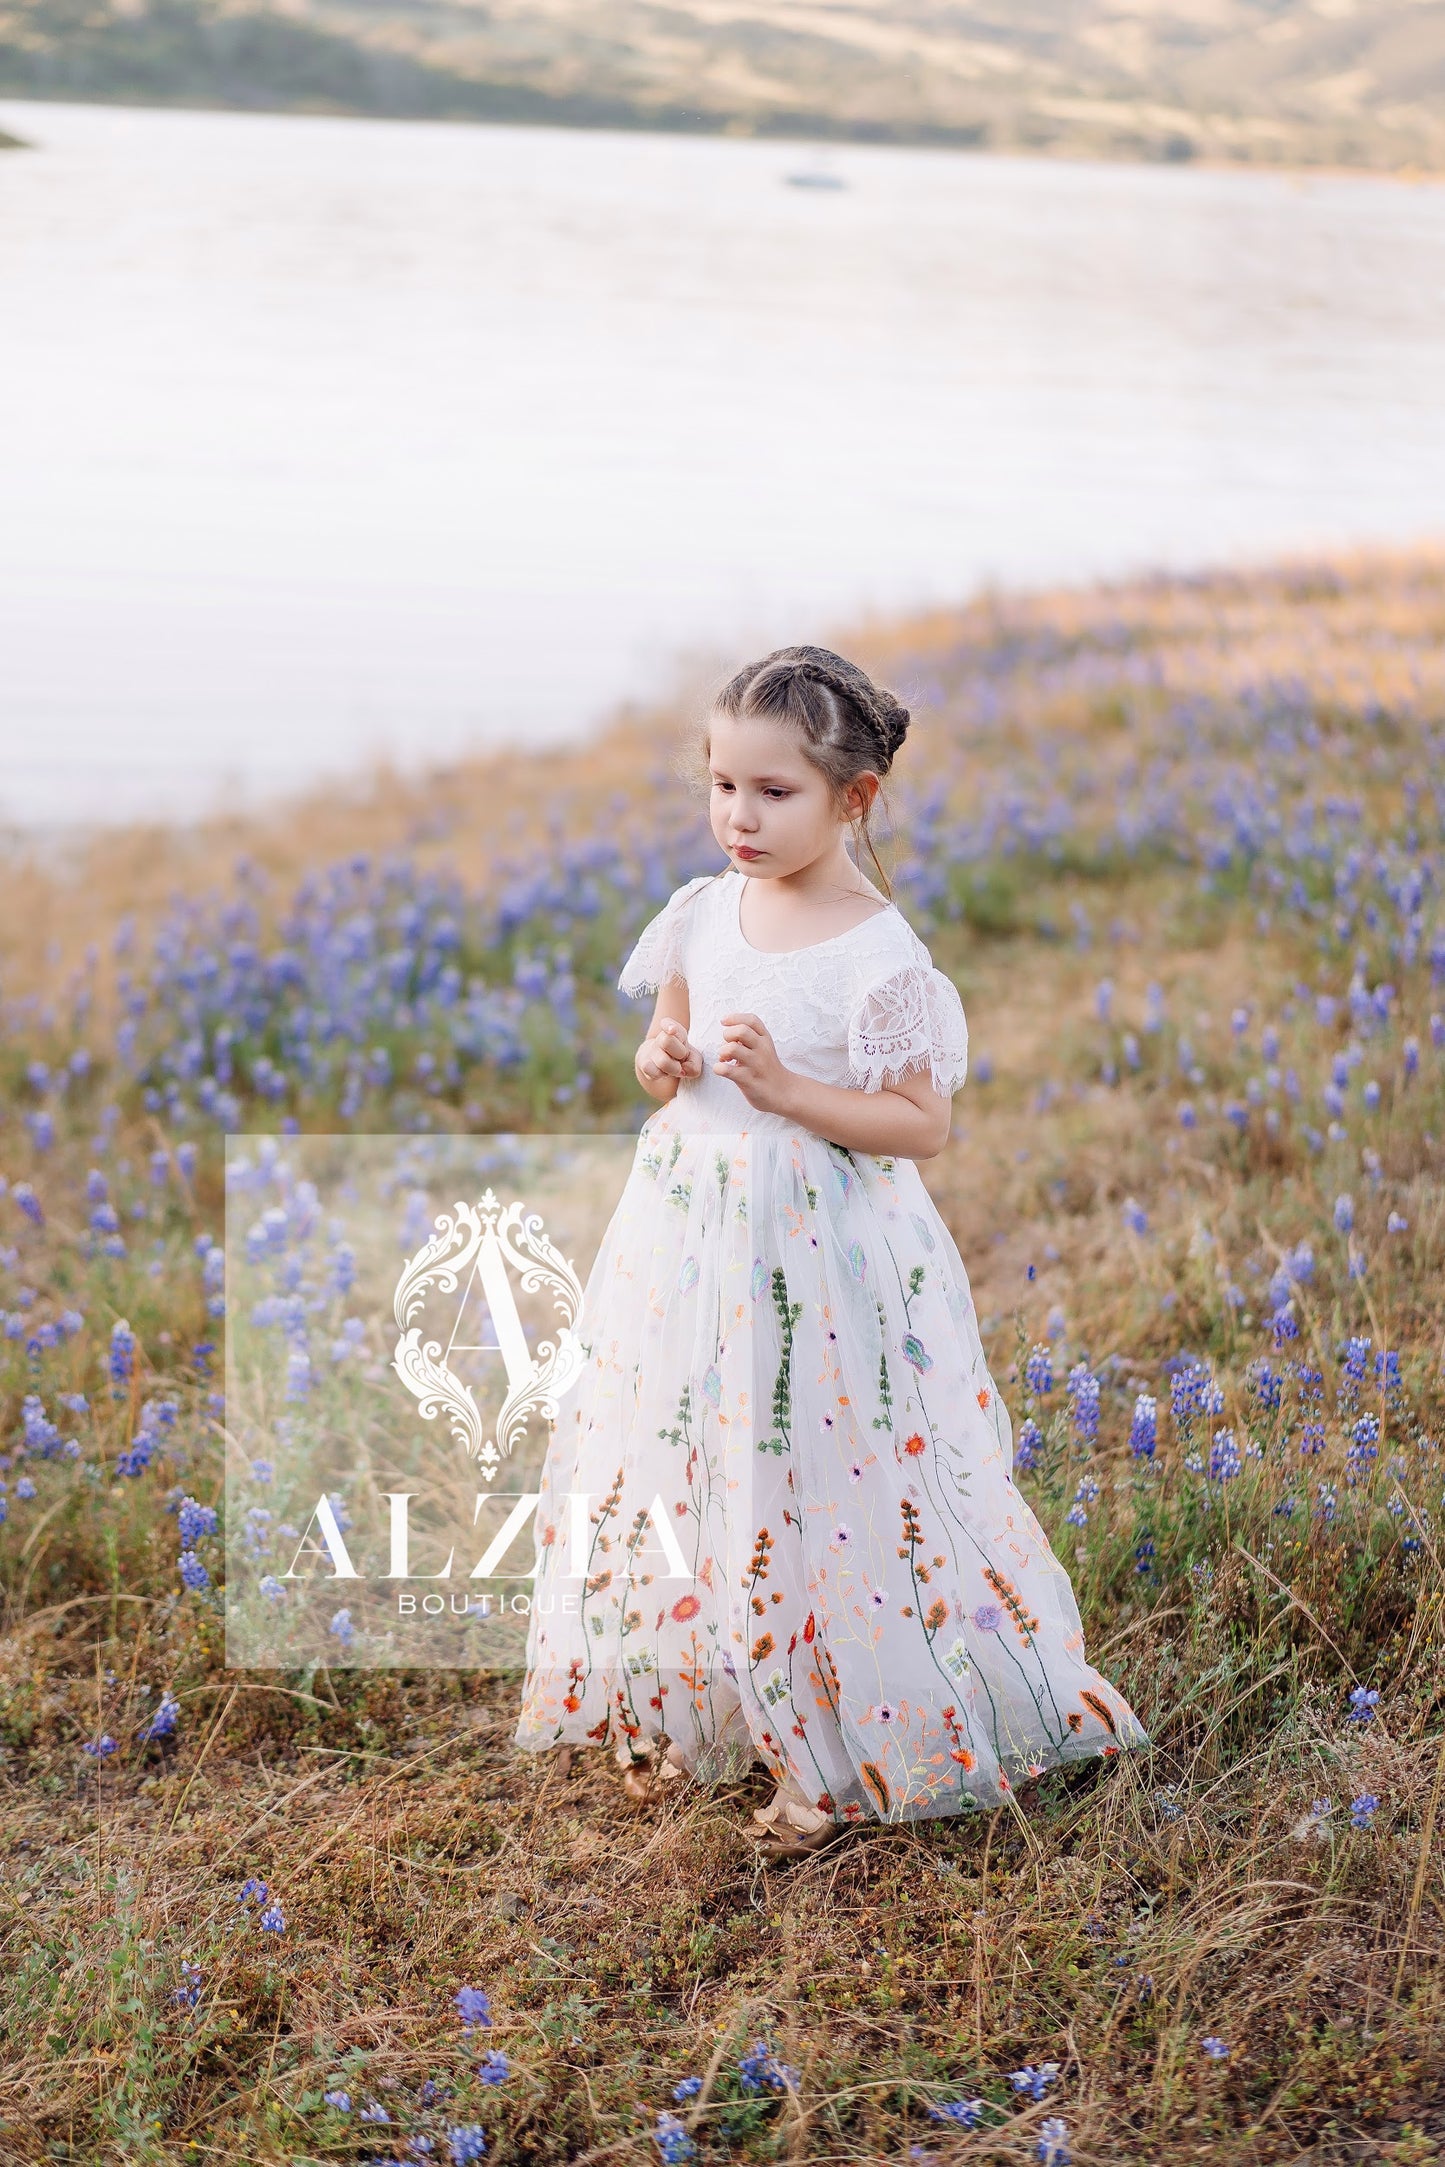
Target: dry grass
1140 1907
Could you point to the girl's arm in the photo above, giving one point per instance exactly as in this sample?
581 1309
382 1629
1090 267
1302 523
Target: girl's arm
665 1056
906 1120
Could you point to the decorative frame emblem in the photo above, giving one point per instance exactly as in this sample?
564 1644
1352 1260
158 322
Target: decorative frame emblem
475 1242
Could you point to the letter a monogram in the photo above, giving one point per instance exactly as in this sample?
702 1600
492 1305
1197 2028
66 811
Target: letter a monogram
472 1248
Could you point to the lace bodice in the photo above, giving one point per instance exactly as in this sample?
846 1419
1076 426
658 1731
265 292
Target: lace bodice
860 1009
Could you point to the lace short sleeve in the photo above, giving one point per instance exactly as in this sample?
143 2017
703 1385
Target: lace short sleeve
660 952
911 1019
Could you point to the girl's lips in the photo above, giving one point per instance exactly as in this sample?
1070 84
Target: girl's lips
740 850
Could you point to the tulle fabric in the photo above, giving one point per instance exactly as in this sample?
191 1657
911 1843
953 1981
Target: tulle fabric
784 1368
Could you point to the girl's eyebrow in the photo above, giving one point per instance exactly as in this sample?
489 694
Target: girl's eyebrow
720 775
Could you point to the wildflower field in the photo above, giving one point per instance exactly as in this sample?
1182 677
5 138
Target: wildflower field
1181 844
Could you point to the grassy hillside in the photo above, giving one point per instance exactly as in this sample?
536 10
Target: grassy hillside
1295 81
1181 845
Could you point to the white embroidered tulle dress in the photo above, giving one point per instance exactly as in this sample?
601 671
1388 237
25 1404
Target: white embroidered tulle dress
783 1362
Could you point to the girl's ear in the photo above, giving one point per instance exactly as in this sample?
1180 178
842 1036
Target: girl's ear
861 794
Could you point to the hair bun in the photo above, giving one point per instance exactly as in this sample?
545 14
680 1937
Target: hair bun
893 721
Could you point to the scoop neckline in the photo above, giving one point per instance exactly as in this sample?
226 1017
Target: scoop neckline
808 946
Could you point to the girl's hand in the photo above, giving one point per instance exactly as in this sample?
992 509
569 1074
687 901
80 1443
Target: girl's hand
666 1051
751 1062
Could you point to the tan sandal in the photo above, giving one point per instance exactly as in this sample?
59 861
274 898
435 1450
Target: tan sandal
645 1777
789 1828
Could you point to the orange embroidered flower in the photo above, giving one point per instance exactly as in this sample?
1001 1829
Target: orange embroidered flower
915 1444
963 1757
686 1606
1009 1596
763 1645
1101 1710
809 1629
983 1397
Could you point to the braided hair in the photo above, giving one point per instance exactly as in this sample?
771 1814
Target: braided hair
849 725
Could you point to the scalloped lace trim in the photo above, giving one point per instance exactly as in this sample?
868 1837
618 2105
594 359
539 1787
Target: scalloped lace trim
660 951
912 1019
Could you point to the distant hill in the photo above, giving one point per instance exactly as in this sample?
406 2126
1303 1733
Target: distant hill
1347 82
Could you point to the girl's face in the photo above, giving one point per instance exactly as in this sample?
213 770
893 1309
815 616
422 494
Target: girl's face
771 810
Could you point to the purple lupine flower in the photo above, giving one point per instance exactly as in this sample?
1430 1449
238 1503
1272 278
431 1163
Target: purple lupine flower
195 1521
122 1355
759 2070
1224 1460
1028 1445
1052 2147
468 2143
1039 1371
473 2007
673 2143
1083 1390
29 1202
1034 2082
163 1722
1144 1429
966 2113
1188 1387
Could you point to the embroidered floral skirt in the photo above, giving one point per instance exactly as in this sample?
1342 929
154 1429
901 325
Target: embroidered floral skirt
777 1519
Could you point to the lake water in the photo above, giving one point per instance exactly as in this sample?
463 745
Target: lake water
323 438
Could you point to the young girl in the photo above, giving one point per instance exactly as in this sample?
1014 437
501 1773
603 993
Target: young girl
777 1518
